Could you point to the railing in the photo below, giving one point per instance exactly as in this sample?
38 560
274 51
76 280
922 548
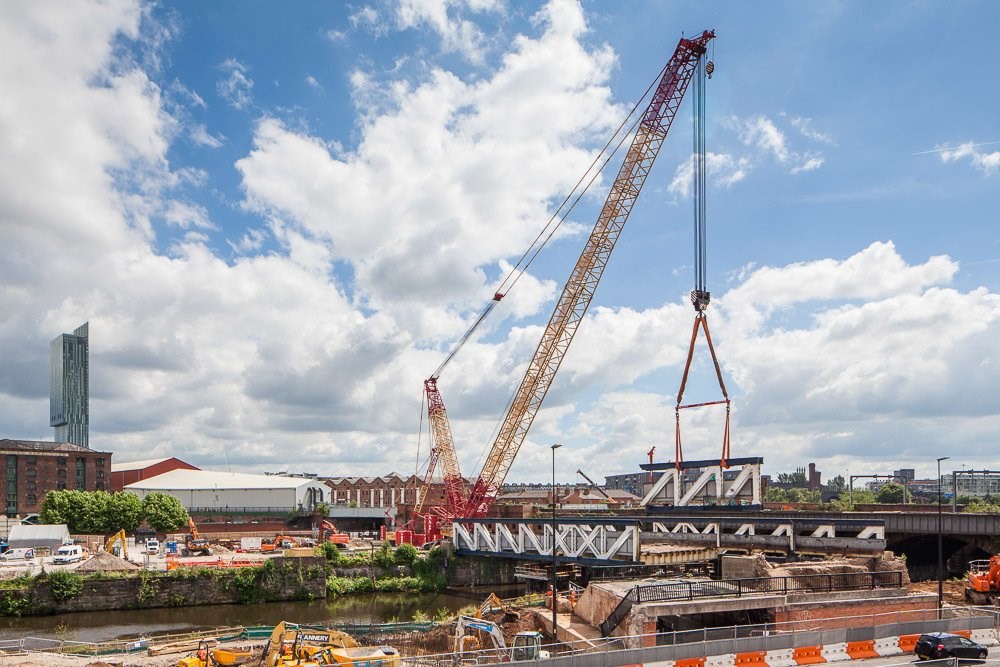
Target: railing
804 583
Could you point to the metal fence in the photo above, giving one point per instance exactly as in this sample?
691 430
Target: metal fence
690 590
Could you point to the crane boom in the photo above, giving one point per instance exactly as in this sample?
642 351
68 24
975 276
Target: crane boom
579 289
444 449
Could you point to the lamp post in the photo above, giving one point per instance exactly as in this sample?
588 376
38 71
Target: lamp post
556 446
940 569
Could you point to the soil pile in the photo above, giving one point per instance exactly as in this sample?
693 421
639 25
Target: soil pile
102 561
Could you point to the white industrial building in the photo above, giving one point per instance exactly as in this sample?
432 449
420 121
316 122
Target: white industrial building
233 491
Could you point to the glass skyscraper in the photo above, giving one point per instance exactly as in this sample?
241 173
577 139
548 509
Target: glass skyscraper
69 403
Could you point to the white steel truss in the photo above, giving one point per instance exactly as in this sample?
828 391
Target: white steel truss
597 541
711 487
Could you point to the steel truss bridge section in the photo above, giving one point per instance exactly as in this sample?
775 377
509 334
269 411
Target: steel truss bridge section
788 535
585 541
601 541
737 484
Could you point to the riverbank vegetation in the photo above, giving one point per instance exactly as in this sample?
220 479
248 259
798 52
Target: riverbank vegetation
383 570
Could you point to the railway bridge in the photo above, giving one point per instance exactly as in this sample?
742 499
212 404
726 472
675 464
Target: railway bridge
595 540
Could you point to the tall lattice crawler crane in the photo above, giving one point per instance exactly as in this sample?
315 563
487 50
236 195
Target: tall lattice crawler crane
579 289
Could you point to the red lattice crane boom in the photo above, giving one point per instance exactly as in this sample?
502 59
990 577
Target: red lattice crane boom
579 289
443 450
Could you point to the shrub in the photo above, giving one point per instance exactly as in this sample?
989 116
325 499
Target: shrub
405 554
65 585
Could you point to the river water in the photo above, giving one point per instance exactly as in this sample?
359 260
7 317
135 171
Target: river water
109 625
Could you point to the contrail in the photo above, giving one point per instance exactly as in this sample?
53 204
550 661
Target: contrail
951 148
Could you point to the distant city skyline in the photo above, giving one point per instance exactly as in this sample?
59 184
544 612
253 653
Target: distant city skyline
69 398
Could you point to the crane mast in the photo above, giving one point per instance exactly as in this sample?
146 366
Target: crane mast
444 450
579 289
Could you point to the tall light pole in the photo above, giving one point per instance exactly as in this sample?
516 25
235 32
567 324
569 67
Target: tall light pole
940 571
556 446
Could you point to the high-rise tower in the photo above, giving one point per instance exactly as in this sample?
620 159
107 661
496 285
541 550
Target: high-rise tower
69 404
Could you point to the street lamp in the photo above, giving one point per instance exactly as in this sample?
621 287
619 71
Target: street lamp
555 637
940 571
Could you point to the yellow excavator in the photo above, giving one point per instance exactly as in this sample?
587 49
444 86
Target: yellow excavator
112 547
206 656
291 645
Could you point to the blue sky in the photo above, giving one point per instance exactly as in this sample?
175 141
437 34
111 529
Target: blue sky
277 221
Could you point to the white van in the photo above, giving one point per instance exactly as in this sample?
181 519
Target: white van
68 553
152 546
18 554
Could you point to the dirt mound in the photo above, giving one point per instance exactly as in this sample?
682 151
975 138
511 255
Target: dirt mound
105 562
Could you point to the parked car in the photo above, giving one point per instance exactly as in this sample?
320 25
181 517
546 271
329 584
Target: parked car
936 645
18 554
152 546
68 553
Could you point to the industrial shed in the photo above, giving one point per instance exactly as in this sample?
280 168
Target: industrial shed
233 491
51 536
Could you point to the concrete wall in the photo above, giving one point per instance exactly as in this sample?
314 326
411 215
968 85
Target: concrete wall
290 579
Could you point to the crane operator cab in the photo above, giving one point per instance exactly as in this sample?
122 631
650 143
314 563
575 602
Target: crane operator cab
528 646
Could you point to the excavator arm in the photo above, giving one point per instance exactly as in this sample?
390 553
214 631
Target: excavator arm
579 289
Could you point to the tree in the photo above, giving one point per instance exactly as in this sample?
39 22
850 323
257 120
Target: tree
164 513
775 495
890 493
797 478
837 485
126 511
803 496
55 508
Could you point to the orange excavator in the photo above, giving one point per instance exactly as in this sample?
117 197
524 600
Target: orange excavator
194 545
983 585
280 542
329 533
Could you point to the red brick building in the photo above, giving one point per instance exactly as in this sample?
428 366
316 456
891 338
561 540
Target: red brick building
137 471
35 467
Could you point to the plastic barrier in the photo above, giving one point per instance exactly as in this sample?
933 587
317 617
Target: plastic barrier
751 659
809 655
861 650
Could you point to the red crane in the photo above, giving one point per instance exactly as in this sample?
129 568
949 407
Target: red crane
579 289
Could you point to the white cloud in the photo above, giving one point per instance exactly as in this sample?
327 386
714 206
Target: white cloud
185 215
457 34
201 136
305 346
810 164
236 88
768 141
805 126
722 170
985 162
313 83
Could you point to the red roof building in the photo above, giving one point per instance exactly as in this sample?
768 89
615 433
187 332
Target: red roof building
137 471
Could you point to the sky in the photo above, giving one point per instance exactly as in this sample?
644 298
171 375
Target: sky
278 221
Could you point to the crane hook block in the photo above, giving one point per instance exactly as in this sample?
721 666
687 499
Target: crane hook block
709 68
700 299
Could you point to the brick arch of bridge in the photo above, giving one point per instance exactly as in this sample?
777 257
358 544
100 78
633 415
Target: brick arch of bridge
921 553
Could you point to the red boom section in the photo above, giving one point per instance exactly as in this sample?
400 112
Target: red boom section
579 289
444 449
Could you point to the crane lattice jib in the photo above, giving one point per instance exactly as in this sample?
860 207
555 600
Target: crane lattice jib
425 483
579 289
444 445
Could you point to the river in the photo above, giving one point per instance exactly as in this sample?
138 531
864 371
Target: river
110 625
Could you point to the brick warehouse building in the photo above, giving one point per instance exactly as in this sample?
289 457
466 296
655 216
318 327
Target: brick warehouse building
131 472
34 467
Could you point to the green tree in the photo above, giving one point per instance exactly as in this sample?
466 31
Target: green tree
803 496
55 508
890 493
775 495
164 513
797 478
126 512
837 485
